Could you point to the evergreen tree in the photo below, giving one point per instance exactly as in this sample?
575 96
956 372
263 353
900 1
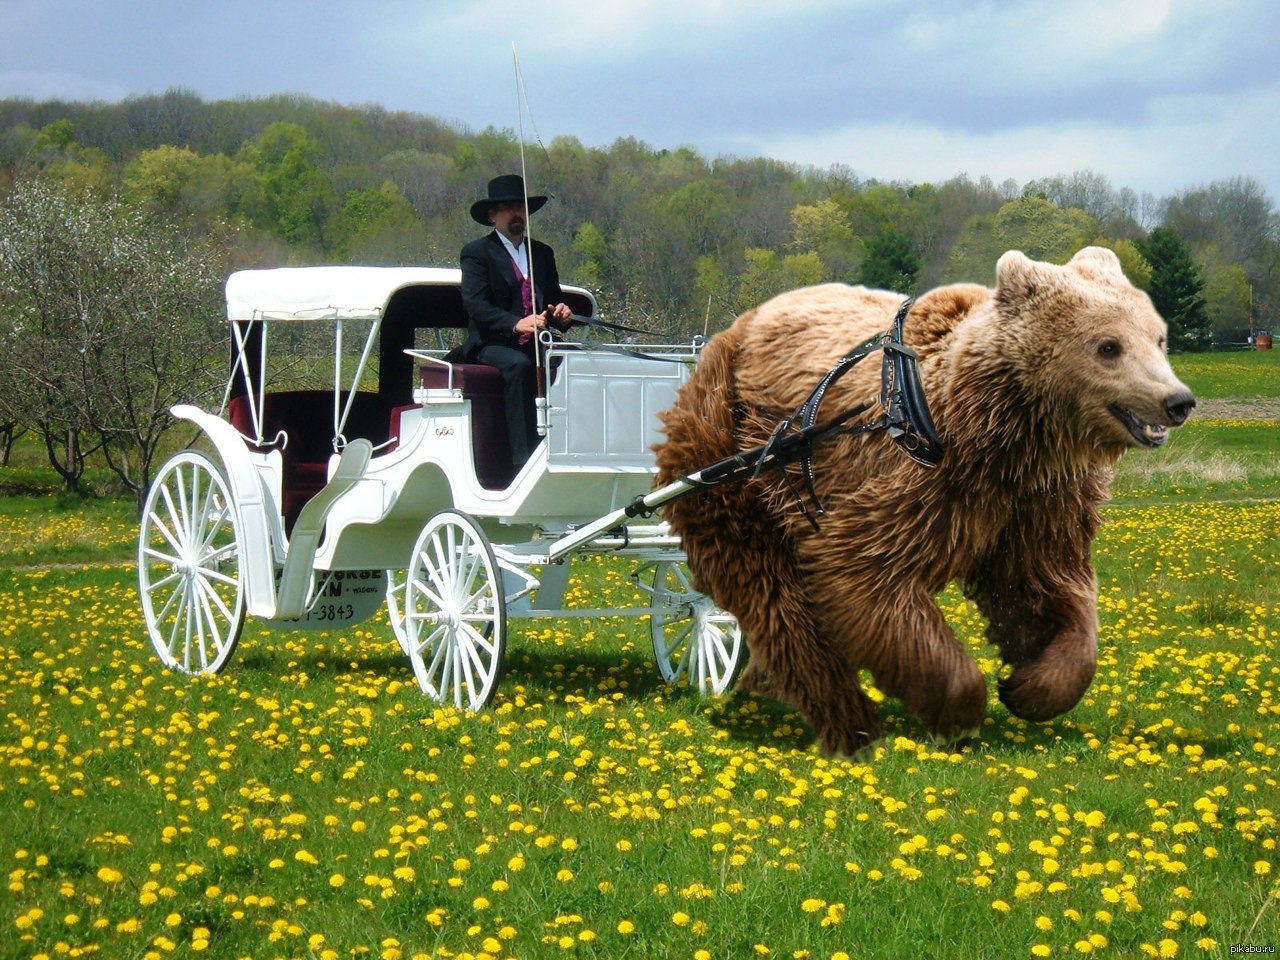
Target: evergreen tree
1177 290
890 263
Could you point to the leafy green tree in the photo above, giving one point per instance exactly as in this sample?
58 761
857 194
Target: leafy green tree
875 208
1177 289
823 228
373 222
1227 296
1132 262
767 274
713 294
590 256
697 215
1035 226
179 183
890 263
297 198
57 155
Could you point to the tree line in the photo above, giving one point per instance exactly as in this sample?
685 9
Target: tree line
669 239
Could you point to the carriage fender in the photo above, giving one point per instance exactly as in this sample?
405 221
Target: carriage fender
258 569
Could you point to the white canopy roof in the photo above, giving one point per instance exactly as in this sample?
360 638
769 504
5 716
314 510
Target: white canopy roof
319 293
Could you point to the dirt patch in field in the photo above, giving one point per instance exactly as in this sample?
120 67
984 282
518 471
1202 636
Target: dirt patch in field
1239 408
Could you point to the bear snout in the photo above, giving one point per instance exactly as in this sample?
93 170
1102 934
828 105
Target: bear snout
1178 406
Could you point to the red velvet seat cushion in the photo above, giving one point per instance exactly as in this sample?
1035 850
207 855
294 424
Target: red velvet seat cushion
490 444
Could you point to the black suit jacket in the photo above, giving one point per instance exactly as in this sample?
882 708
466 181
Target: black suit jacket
491 293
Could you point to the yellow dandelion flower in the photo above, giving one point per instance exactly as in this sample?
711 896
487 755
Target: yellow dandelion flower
626 927
109 875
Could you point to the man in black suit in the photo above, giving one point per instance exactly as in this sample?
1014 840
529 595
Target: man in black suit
506 308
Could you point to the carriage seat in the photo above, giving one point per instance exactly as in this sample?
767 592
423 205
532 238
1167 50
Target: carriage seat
307 417
490 443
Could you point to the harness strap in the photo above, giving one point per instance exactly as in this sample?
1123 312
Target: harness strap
609 325
905 416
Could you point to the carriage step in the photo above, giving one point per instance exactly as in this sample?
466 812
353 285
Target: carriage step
295 579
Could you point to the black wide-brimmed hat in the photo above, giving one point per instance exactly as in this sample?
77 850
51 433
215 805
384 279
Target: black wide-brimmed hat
504 189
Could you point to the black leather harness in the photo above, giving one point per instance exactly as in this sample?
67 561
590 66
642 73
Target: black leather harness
904 415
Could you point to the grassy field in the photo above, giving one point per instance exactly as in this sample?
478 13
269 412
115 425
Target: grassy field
310 803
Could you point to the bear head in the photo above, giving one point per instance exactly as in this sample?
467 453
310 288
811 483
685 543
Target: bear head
1089 348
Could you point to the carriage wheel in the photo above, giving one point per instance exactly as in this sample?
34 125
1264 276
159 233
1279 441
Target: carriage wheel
395 607
189 566
691 635
455 612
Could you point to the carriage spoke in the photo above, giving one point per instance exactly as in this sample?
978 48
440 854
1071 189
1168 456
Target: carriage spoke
211 594
681 637
179 619
429 595
168 531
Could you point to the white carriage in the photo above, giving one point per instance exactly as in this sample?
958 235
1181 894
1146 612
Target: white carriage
392 483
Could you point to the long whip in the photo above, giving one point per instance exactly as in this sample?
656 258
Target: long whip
521 98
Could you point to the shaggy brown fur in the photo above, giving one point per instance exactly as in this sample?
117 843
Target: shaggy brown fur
1036 387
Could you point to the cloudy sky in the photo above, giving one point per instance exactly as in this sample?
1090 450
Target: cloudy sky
1158 95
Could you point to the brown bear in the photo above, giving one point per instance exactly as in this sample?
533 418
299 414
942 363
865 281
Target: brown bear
1036 388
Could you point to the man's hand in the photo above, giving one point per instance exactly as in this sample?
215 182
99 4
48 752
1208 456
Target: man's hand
560 315
531 324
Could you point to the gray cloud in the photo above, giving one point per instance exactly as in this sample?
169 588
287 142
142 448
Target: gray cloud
1156 94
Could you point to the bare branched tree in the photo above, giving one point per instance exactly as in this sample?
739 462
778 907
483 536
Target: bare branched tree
109 318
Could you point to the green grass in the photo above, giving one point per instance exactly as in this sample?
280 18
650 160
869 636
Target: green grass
38 531
312 792
1237 373
309 802
1207 459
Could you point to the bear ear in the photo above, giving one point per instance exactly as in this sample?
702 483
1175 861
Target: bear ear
1097 263
1017 277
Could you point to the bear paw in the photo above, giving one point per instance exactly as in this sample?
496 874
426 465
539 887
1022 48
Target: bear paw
753 679
1045 689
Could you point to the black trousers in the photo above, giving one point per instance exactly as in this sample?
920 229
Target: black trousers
519 385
